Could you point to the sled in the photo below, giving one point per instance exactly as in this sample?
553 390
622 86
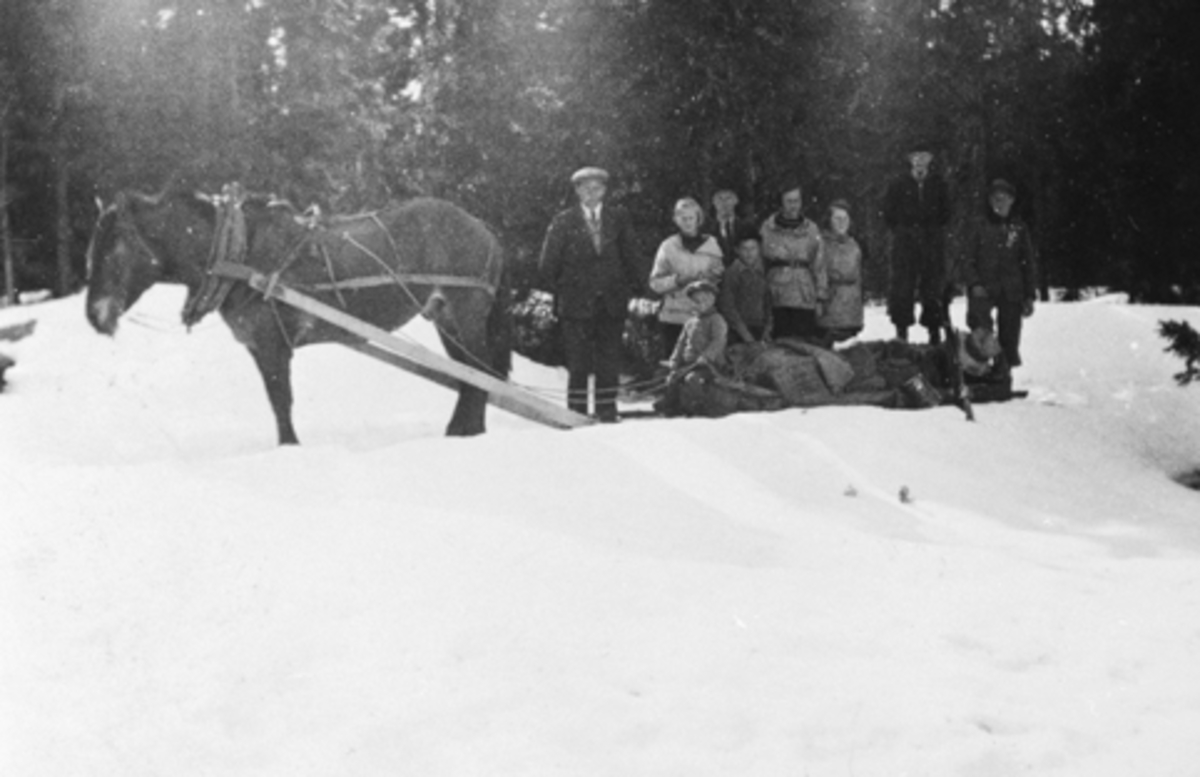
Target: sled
386 347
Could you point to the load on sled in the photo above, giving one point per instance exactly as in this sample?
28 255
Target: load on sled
795 373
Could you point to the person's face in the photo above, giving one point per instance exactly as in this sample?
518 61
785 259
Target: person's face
750 252
703 300
840 221
920 165
1002 203
725 203
792 203
591 192
688 222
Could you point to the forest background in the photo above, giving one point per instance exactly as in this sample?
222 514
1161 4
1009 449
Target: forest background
1089 106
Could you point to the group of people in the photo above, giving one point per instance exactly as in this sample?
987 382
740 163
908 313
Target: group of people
725 279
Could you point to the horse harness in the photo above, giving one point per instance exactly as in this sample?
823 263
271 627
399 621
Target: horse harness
230 246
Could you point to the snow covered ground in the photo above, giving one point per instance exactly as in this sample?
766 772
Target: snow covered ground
747 596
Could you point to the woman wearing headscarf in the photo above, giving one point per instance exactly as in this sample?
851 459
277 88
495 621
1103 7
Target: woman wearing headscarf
683 258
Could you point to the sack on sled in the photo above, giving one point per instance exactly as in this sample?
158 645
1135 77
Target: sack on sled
891 374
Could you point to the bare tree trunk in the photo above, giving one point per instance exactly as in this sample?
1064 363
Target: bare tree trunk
62 218
6 247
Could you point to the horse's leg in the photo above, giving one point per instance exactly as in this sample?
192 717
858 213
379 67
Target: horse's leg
465 338
274 360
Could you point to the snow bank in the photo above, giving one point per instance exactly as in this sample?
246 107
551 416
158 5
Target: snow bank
743 596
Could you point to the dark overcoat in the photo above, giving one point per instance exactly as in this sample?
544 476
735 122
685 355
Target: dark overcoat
728 239
585 282
1001 258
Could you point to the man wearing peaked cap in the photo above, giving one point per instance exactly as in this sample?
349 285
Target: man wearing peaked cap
588 174
589 264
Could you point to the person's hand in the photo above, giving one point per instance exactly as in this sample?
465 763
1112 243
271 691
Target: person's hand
1027 311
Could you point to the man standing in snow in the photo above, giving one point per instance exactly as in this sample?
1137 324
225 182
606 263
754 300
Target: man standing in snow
1000 274
917 210
589 264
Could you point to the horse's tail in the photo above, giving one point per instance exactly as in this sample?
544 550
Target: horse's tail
500 330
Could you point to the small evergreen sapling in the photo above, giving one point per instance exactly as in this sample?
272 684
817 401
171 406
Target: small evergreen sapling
1184 343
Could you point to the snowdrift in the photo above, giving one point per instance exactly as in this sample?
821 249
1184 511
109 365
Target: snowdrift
840 591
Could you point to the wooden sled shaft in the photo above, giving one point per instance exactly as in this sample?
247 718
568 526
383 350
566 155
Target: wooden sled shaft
417 359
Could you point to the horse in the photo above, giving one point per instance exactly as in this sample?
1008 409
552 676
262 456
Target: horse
423 256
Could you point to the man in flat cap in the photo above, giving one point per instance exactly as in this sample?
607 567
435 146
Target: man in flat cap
589 264
917 210
1000 274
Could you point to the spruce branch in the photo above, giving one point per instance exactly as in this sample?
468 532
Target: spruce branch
1184 342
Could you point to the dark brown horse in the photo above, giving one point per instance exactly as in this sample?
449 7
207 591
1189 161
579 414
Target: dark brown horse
423 256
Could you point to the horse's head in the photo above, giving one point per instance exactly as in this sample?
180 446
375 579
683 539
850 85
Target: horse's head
139 241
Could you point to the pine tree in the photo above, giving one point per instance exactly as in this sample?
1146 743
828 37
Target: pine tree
1184 342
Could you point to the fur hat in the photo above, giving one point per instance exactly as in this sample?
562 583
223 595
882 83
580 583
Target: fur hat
695 287
588 174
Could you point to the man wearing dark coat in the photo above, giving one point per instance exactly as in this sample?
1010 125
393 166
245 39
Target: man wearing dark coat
917 211
1000 272
589 264
726 225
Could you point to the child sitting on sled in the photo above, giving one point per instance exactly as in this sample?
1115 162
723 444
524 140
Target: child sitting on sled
699 354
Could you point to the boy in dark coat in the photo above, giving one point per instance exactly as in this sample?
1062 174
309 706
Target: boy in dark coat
745 297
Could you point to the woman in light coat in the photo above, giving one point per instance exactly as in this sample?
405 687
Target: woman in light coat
842 317
682 259
795 260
